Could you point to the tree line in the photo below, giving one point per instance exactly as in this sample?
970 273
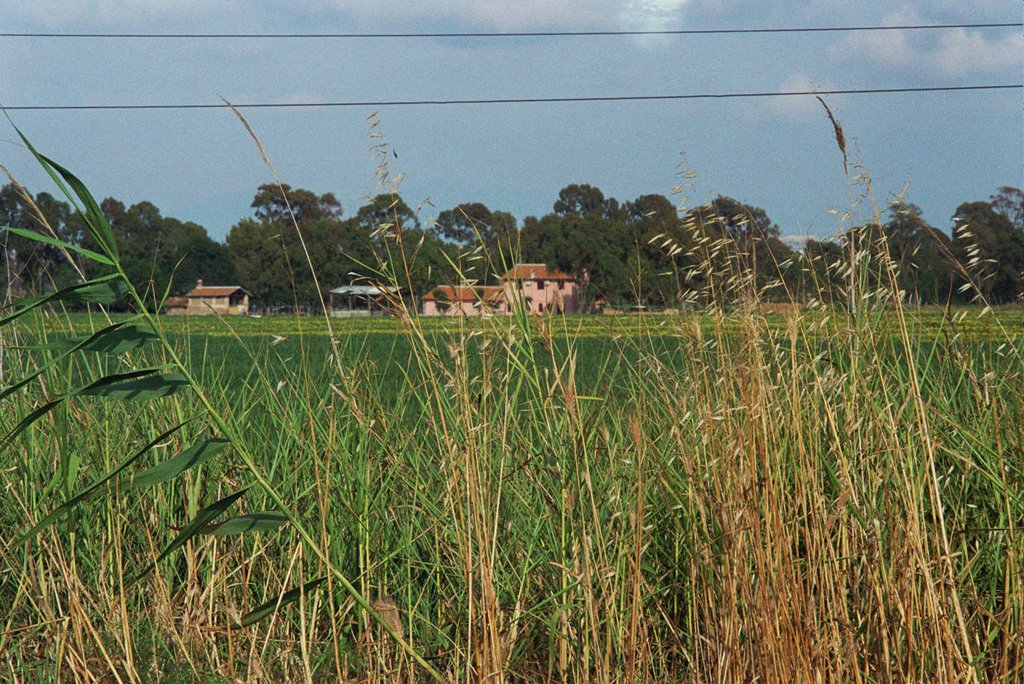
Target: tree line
642 252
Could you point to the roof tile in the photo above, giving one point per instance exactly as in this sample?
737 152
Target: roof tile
535 272
215 291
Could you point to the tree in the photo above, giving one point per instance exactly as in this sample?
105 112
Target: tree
281 265
639 252
279 268
197 256
651 209
260 259
991 250
1010 203
307 207
584 200
163 254
747 242
140 239
387 209
465 223
921 253
587 247
27 264
742 222
427 264
504 237
819 274
472 224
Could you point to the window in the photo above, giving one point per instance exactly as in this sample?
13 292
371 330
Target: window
540 285
561 285
540 308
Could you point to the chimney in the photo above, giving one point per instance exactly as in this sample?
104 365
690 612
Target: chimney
199 283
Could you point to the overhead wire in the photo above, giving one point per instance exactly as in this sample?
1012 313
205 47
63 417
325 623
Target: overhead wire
511 34
515 100
507 34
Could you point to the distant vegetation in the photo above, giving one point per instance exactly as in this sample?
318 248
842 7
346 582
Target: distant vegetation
640 252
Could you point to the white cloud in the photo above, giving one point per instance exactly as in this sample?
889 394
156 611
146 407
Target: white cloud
954 52
961 52
797 106
652 15
89 13
508 15
515 14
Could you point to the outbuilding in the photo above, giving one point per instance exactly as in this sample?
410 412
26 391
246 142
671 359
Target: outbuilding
361 300
224 300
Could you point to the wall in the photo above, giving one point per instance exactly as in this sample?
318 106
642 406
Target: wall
563 294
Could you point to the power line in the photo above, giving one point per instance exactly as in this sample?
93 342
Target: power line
516 100
515 34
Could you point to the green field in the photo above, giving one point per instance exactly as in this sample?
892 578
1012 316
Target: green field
227 348
708 496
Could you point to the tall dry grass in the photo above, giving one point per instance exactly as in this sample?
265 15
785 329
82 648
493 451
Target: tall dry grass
720 497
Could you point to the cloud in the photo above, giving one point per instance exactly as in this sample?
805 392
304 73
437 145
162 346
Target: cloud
955 52
652 15
797 107
101 12
515 15
962 52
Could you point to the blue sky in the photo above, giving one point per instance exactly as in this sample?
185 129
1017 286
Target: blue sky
940 149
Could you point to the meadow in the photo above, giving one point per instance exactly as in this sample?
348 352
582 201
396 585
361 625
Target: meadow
713 495
828 490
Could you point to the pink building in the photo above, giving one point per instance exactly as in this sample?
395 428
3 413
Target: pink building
540 289
464 300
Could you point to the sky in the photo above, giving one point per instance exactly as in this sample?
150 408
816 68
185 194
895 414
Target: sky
936 150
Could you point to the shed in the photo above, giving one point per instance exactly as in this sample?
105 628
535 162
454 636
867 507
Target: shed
225 300
175 306
360 300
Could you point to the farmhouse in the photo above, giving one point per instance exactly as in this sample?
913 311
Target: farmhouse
464 300
226 300
541 289
534 286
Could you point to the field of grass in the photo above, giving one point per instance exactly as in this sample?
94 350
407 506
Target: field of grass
754 493
699 497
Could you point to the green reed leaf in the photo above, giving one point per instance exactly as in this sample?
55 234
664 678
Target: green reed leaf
119 340
95 486
195 455
270 607
147 383
106 290
32 417
114 340
136 385
250 522
80 343
195 526
46 239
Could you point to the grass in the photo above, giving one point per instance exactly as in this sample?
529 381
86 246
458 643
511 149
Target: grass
696 497
724 494
995 324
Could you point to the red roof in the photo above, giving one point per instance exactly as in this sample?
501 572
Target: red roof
465 293
534 272
215 291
